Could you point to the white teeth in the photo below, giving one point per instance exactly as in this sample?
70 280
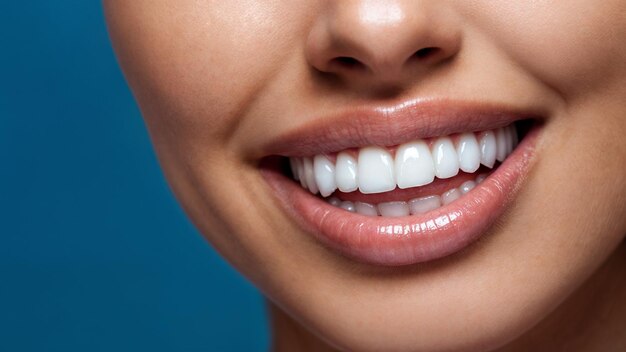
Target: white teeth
309 175
347 205
300 171
501 148
415 206
375 170
488 148
515 136
511 140
446 158
334 201
366 209
293 162
469 152
346 173
467 186
450 196
424 204
394 209
324 171
414 165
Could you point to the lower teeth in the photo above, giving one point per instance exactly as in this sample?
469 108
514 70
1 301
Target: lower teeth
412 207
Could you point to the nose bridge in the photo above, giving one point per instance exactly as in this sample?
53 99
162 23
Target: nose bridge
381 36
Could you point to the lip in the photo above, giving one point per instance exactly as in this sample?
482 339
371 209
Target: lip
415 238
396 124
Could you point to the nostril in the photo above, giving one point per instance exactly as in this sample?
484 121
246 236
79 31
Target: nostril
426 53
347 62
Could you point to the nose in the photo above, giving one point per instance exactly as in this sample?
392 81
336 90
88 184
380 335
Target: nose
382 41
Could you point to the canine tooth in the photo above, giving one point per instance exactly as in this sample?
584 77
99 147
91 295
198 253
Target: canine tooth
481 178
334 201
309 175
450 196
375 170
414 165
324 171
366 209
446 158
424 204
393 209
488 148
501 144
469 152
467 186
347 205
346 172
294 168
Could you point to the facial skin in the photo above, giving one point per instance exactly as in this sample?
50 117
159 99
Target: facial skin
219 80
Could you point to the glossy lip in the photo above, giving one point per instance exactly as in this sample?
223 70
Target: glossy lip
393 125
416 238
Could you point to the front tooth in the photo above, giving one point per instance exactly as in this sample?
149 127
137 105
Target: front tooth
424 204
469 152
414 165
450 196
324 171
346 172
366 209
446 158
309 175
488 148
375 170
501 144
394 209
481 178
347 205
467 186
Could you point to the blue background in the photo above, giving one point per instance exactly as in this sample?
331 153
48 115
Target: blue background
95 253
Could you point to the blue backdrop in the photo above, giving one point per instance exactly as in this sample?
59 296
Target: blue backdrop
95 254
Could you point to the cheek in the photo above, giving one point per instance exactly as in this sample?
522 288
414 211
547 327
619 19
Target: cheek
572 46
195 65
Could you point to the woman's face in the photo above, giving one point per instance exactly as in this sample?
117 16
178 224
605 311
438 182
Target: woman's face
231 89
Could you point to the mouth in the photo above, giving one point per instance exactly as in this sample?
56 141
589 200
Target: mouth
400 186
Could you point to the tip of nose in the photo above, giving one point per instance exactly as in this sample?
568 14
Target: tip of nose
342 44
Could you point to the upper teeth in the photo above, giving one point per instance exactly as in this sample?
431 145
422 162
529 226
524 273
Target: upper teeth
414 164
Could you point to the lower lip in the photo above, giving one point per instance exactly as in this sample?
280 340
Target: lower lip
410 239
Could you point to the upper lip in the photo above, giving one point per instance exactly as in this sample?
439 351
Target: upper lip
395 124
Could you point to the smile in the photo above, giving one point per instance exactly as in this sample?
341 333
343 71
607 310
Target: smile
404 185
